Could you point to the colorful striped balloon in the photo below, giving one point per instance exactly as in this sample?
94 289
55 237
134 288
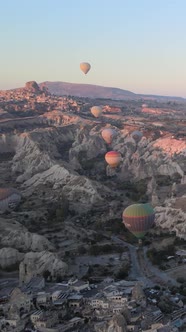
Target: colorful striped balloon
138 219
113 158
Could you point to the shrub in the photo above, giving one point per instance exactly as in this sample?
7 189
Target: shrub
123 272
159 256
58 211
82 250
181 280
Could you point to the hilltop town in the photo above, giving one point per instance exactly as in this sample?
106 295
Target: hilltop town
67 263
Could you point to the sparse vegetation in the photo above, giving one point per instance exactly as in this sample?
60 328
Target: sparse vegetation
81 217
136 191
104 249
10 268
58 211
123 272
157 257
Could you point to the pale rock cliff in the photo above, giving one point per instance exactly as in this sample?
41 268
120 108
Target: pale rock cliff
10 257
40 262
59 118
149 159
172 219
79 190
29 159
88 145
14 235
56 155
137 293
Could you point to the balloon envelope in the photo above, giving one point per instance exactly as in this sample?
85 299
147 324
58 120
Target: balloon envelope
96 111
85 67
113 158
137 135
108 134
138 219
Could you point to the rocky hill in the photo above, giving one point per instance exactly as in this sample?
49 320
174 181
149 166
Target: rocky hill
16 241
71 158
55 157
96 91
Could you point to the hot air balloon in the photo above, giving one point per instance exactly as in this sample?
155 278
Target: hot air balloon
96 111
85 67
108 134
9 198
137 135
138 219
113 158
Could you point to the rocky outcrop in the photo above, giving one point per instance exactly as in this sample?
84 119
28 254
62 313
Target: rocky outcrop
149 159
32 157
138 294
39 264
116 324
14 235
69 158
79 190
28 159
10 258
54 118
172 219
171 146
32 86
59 118
87 148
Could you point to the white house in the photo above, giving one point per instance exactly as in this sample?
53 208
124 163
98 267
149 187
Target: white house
42 297
80 285
48 320
116 296
75 300
99 303
116 309
37 315
55 295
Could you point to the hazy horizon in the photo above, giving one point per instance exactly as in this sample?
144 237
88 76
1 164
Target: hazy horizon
112 87
131 45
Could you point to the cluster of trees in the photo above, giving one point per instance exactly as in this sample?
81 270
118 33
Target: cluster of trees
58 211
104 249
135 190
157 257
48 277
166 305
10 268
166 180
182 289
123 271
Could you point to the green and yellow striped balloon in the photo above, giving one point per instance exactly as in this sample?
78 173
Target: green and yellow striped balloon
138 219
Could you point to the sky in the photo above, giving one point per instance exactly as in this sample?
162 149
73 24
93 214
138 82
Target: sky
136 45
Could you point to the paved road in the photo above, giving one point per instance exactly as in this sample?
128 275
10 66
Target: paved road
155 272
141 267
136 272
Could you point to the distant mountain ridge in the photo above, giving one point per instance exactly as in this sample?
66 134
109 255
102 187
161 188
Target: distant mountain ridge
97 91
